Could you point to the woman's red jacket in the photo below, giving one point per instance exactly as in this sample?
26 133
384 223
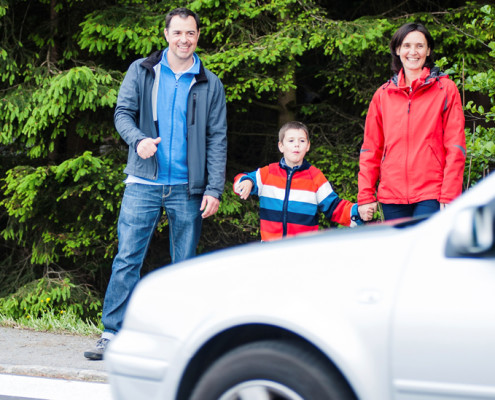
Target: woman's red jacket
414 142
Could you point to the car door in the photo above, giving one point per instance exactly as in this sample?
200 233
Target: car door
443 329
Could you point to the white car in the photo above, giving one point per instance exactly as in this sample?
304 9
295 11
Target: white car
378 312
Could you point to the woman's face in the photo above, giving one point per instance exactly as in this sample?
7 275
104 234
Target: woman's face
413 52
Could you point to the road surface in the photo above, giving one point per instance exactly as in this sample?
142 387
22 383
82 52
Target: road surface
49 366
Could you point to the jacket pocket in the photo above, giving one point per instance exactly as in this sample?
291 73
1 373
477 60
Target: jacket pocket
435 156
384 155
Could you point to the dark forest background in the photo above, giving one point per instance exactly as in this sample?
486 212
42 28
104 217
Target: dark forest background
61 65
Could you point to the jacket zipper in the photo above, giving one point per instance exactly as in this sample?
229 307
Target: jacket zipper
194 110
172 130
410 94
155 162
286 201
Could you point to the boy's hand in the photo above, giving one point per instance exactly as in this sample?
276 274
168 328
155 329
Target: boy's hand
244 188
366 211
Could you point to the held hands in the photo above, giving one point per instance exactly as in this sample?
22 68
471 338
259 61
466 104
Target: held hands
244 188
366 211
147 147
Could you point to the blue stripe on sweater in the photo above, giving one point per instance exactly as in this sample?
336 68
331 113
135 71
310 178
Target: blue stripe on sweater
292 218
302 208
329 204
270 203
293 206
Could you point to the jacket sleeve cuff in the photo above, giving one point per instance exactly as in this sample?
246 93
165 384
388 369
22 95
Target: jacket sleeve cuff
355 217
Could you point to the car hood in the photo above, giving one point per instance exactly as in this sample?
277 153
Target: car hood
285 282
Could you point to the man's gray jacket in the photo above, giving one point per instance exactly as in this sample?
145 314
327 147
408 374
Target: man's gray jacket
206 125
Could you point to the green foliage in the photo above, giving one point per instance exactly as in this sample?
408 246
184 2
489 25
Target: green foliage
36 115
124 30
480 80
348 46
54 296
62 161
67 322
340 167
67 210
482 83
3 7
237 221
480 136
257 44
480 154
241 214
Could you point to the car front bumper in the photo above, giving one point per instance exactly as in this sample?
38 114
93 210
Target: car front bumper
139 365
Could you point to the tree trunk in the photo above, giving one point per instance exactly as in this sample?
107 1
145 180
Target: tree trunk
287 100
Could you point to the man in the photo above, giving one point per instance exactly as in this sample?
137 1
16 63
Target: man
171 112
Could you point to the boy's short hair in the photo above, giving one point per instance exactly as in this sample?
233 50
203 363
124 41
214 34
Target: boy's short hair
292 125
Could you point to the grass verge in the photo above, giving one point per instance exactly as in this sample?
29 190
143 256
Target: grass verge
57 323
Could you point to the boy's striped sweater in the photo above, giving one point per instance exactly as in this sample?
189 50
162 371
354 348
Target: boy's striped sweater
291 198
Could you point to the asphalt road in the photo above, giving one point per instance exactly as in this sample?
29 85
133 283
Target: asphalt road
52 355
19 387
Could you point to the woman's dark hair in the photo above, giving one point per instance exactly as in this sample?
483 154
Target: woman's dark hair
399 37
183 13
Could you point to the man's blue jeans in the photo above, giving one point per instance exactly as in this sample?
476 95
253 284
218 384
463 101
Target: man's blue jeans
140 213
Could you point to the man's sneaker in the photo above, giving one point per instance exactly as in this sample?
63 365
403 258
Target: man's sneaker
97 352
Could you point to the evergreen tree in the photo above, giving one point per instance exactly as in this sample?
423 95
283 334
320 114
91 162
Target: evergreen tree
62 62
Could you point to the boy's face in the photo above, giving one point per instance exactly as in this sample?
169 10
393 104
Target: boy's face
294 146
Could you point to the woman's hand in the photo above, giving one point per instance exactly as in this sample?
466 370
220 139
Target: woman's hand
366 211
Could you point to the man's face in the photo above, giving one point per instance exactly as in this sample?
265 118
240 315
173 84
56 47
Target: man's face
182 36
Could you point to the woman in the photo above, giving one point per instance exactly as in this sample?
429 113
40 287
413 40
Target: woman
414 141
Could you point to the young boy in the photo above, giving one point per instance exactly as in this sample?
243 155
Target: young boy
292 192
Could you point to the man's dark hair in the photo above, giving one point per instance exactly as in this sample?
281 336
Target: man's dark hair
183 13
399 37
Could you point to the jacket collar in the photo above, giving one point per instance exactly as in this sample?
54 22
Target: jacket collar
305 165
155 58
428 76
193 69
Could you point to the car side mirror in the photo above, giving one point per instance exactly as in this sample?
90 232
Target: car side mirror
472 232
